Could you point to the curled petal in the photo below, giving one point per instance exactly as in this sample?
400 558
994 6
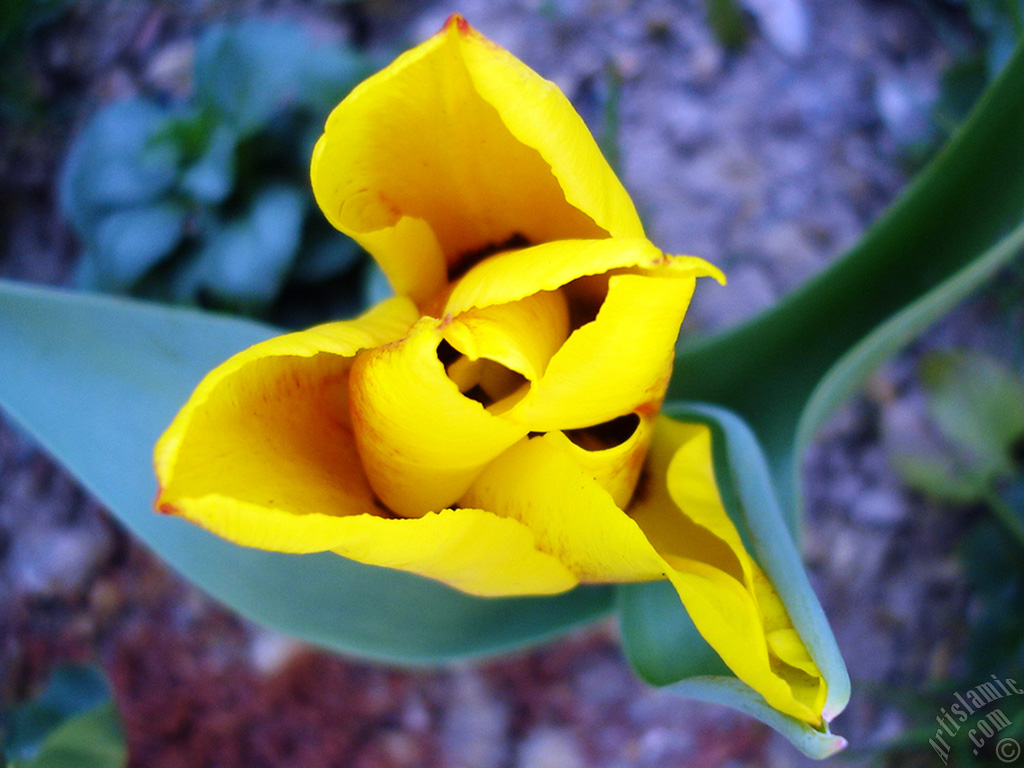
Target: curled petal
522 335
454 150
538 483
729 598
611 453
516 274
263 452
421 440
618 363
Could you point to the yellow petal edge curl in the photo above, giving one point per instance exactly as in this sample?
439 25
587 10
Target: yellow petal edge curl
495 426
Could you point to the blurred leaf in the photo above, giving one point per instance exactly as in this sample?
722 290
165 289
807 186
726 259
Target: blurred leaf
376 287
329 73
96 380
70 691
938 478
960 221
93 739
1002 23
660 639
210 179
727 22
249 71
978 403
324 257
127 243
962 83
245 263
995 639
115 162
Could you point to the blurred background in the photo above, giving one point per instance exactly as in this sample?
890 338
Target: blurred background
160 149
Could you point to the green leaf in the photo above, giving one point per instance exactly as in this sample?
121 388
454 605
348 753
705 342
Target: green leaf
959 221
249 71
93 739
978 403
938 477
660 639
129 242
328 75
727 22
246 261
115 162
97 379
70 690
324 257
210 179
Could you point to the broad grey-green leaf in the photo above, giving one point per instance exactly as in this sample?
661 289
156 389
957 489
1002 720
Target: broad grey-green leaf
246 262
661 641
129 242
115 162
97 379
978 403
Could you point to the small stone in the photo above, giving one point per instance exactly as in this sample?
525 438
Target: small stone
905 107
879 506
784 23
475 729
547 747
170 69
269 651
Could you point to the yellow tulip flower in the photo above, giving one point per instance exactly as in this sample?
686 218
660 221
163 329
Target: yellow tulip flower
496 425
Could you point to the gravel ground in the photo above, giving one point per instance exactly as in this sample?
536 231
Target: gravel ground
769 161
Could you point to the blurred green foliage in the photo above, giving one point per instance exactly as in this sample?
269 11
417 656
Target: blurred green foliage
727 22
208 202
996 25
72 723
976 405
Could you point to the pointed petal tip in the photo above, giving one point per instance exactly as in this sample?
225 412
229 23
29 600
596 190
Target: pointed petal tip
458 23
164 507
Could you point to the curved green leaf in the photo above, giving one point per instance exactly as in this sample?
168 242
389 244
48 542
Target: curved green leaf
97 379
660 639
959 221
93 739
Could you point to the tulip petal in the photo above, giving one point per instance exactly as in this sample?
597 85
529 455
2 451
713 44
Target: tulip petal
538 483
263 452
620 362
422 441
728 597
453 151
522 335
469 549
615 467
512 275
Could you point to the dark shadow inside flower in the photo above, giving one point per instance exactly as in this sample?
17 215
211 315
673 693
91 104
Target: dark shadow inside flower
466 261
609 434
585 295
489 383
